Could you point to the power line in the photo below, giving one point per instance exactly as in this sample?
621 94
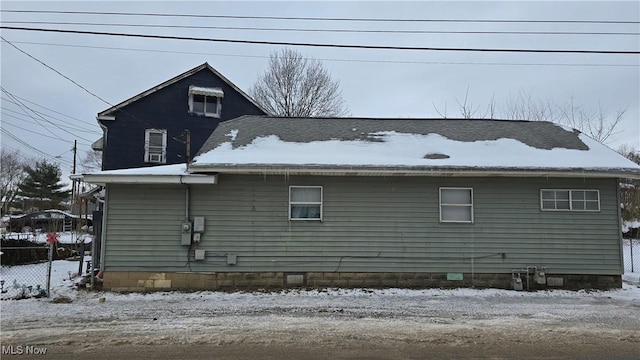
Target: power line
56 112
80 86
54 70
323 18
23 106
32 131
75 126
19 116
343 46
326 59
326 30
22 142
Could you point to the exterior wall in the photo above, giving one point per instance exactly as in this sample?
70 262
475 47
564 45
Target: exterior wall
370 225
168 108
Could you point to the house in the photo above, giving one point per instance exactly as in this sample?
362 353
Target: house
352 202
168 123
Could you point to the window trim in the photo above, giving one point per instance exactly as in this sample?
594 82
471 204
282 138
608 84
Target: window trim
471 205
291 187
570 201
208 93
147 153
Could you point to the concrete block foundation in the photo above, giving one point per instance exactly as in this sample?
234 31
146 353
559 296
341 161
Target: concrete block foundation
140 281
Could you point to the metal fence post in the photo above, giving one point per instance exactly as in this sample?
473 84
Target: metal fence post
631 249
49 269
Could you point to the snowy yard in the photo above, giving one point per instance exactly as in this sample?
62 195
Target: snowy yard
362 323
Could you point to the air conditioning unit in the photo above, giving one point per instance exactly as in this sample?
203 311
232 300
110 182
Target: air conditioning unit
155 157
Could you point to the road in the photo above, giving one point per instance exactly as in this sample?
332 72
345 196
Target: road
340 325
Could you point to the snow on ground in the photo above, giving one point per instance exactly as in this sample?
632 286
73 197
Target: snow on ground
631 256
20 278
68 237
578 323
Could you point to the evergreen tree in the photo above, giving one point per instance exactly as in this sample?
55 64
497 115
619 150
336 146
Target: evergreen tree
43 185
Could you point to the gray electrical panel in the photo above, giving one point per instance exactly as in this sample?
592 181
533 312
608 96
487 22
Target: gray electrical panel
198 224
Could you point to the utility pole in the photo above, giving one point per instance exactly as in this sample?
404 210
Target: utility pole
73 171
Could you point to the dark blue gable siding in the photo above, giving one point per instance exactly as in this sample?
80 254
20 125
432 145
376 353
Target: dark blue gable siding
168 108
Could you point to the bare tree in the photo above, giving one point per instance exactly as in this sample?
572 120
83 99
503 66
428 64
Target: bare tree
297 86
524 107
92 161
12 174
599 124
469 111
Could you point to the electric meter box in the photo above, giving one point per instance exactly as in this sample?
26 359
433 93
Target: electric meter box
198 224
186 233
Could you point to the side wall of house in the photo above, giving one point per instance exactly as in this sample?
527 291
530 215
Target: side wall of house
370 224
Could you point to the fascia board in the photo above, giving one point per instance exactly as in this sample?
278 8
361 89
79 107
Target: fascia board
148 179
445 172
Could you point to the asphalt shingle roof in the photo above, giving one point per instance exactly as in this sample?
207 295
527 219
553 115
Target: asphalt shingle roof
537 134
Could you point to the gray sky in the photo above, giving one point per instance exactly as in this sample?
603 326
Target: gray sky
375 83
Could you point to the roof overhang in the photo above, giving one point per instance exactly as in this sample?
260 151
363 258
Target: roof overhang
207 91
414 171
103 179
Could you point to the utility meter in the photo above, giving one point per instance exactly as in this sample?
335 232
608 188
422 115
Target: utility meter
186 233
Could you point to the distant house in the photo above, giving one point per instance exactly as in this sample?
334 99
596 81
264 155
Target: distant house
349 202
151 128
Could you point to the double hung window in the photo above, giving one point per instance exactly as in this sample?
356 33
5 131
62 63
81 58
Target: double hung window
305 203
155 146
456 205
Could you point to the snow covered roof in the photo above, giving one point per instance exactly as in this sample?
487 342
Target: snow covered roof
163 174
199 90
364 146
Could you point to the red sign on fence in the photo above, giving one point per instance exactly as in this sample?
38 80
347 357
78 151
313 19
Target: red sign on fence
53 237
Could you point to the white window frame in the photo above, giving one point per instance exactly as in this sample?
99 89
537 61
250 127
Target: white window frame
571 200
470 205
148 153
214 93
320 203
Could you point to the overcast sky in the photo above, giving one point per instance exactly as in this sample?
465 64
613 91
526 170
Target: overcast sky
375 83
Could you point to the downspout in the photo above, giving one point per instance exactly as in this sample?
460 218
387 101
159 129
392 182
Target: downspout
103 239
186 200
100 206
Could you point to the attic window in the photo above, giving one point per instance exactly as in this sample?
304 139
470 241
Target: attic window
205 101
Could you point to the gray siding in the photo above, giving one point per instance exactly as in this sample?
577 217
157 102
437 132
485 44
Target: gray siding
370 224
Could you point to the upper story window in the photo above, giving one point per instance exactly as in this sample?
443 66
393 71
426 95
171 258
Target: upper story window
205 101
456 205
155 146
305 202
569 200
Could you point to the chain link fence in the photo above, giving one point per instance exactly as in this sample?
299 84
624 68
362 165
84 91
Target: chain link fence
25 271
631 255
